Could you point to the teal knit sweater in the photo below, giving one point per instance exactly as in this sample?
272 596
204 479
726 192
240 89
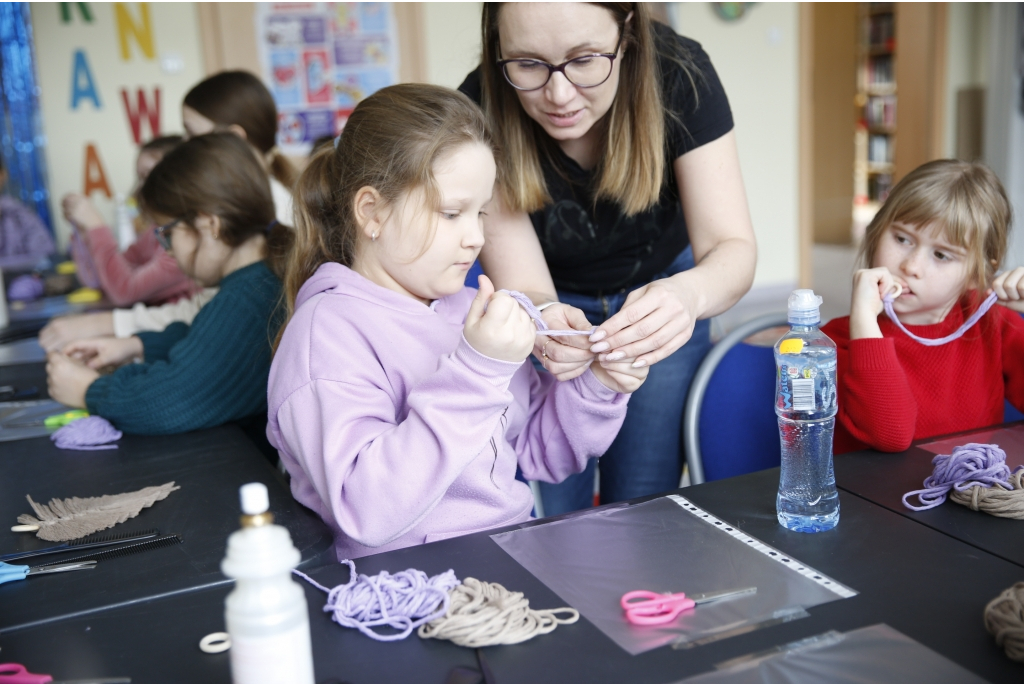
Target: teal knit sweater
202 375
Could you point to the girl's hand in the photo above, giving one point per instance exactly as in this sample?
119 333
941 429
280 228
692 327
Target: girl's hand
504 331
63 330
68 380
81 212
656 320
97 353
620 376
1010 289
568 356
869 287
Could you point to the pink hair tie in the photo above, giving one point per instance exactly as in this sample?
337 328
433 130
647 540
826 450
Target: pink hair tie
932 342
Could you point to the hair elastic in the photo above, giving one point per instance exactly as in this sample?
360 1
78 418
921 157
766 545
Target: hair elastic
337 139
270 227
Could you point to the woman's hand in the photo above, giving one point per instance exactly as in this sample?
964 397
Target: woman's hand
620 376
97 353
655 321
567 356
497 327
1010 289
67 380
66 329
869 287
81 212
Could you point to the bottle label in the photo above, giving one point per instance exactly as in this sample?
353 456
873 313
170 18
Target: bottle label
281 658
803 394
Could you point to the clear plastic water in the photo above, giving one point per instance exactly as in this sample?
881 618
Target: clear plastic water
806 406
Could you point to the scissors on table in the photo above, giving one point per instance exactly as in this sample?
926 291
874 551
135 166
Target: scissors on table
646 608
11 572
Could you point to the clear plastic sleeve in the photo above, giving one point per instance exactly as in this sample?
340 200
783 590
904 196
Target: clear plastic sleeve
667 545
20 420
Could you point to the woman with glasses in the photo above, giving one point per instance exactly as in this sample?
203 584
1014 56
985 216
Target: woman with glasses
619 173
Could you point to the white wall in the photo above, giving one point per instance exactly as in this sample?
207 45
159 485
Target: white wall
176 66
451 32
756 58
1004 122
966 58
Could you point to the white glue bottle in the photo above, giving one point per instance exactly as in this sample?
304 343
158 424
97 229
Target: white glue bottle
266 614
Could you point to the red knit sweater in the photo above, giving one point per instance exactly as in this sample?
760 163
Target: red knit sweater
142 273
894 390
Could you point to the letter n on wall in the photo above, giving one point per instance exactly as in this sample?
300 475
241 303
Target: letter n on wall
143 110
142 31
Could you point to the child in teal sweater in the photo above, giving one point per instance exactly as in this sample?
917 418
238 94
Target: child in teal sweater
212 200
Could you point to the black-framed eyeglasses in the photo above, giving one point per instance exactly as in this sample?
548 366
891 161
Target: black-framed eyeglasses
163 233
586 71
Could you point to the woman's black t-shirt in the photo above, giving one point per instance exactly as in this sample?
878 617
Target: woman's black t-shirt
596 249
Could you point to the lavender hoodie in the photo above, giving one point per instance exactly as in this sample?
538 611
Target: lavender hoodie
397 432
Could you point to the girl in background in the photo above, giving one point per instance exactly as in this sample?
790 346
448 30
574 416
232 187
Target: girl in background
231 101
398 397
213 202
24 238
935 246
144 272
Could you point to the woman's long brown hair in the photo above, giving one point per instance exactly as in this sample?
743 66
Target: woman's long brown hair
632 168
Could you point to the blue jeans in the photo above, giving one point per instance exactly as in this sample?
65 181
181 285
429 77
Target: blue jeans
647 455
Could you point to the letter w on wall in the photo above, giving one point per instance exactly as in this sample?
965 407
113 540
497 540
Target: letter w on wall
143 110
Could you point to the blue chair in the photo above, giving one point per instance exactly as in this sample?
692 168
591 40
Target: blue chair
729 424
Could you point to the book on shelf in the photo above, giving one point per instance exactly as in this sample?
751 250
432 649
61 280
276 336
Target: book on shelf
879 186
880 112
879 149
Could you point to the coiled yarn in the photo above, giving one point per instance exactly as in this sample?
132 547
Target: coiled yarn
995 500
932 342
403 601
88 433
971 465
1004 619
484 614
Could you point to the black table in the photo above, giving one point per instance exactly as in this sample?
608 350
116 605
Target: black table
24 377
209 466
919 581
26 320
884 478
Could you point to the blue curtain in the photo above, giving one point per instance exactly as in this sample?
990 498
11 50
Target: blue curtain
21 137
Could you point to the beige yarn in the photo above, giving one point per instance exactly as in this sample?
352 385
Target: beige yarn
75 517
1004 619
484 614
996 500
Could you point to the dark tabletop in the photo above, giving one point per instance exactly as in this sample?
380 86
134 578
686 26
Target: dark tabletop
884 478
27 319
919 581
28 379
209 466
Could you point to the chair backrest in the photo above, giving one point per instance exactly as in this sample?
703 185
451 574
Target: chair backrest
730 409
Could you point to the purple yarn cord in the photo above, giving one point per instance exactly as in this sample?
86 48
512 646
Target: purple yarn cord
89 433
969 465
403 601
931 342
542 328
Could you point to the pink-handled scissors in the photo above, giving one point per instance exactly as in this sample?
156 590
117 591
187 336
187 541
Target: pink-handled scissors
646 608
16 673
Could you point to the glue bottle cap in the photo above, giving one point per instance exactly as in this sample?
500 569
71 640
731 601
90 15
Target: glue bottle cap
254 498
803 308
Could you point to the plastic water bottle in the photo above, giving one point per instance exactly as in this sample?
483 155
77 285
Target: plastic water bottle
126 213
806 405
266 614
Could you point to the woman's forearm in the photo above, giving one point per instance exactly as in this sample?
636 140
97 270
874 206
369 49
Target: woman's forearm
512 256
722 277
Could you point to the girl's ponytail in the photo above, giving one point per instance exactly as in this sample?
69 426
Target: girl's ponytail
281 168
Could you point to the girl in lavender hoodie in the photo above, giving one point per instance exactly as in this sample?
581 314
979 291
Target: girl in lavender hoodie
399 399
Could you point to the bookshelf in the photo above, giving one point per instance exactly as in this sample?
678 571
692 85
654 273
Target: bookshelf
876 103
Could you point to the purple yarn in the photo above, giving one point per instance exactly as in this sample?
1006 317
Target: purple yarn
931 342
89 433
403 601
542 327
969 465
25 288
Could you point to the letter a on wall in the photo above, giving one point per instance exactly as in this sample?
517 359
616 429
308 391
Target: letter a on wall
142 32
144 110
82 83
95 178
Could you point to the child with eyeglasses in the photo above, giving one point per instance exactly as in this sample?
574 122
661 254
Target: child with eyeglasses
213 201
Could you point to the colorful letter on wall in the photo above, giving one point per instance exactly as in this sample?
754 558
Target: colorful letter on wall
95 177
82 85
143 33
151 112
83 7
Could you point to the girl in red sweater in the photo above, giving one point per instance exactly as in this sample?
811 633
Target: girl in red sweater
935 244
